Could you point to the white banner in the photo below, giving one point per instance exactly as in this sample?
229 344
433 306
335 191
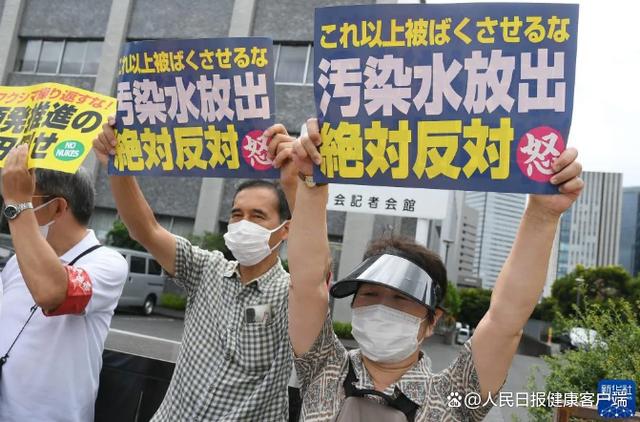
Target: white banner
399 202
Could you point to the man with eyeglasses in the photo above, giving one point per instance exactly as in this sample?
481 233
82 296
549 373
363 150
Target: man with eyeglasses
60 291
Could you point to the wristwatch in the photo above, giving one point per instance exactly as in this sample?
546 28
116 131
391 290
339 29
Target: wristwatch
11 211
309 180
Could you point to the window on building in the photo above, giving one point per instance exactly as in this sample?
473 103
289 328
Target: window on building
49 59
67 57
294 64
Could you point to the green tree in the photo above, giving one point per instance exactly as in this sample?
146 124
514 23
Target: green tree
474 304
615 356
452 303
119 237
599 285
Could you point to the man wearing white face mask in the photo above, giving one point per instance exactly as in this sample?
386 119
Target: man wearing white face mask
234 362
397 290
60 290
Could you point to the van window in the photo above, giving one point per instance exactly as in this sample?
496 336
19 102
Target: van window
154 267
137 265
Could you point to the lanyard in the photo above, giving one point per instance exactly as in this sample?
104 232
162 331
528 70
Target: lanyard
33 309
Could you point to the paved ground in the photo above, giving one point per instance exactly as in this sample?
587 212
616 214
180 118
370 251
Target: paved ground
159 336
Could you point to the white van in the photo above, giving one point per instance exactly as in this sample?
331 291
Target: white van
145 282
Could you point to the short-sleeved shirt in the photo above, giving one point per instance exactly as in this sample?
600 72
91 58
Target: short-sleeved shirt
323 369
229 368
53 370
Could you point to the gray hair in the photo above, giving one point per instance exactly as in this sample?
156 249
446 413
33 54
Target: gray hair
77 189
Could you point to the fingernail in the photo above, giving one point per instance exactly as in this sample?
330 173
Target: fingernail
554 180
112 152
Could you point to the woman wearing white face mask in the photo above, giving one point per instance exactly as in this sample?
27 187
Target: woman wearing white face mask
397 290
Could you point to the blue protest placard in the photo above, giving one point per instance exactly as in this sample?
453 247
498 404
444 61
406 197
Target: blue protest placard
448 96
195 108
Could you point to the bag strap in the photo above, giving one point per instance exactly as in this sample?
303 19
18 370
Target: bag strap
33 309
88 251
398 401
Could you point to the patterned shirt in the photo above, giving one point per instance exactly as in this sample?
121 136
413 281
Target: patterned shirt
324 367
228 368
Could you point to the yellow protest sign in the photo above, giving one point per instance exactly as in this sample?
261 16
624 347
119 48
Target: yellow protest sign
57 121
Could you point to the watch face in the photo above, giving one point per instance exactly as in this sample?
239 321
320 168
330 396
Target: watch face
10 211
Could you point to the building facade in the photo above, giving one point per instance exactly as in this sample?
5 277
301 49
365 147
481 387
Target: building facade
458 239
630 231
499 216
590 230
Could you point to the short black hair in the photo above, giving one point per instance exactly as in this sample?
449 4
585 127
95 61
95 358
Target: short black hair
76 188
283 205
428 260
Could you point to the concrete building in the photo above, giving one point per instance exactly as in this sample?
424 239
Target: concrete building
590 230
630 230
499 216
77 42
459 237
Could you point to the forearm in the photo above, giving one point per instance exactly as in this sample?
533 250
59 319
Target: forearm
138 216
40 267
308 254
308 250
523 275
290 190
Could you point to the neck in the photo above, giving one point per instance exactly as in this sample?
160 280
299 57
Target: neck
384 374
63 240
248 274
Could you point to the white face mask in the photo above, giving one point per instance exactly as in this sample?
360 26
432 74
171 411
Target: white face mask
249 242
385 334
44 230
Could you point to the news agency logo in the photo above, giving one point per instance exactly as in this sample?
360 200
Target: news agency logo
616 398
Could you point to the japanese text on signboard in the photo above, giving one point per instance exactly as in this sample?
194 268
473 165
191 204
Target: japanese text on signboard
58 122
195 107
465 96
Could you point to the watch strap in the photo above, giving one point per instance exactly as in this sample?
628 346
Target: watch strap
24 206
309 181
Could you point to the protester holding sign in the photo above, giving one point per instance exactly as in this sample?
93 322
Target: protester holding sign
205 107
235 360
50 359
397 290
